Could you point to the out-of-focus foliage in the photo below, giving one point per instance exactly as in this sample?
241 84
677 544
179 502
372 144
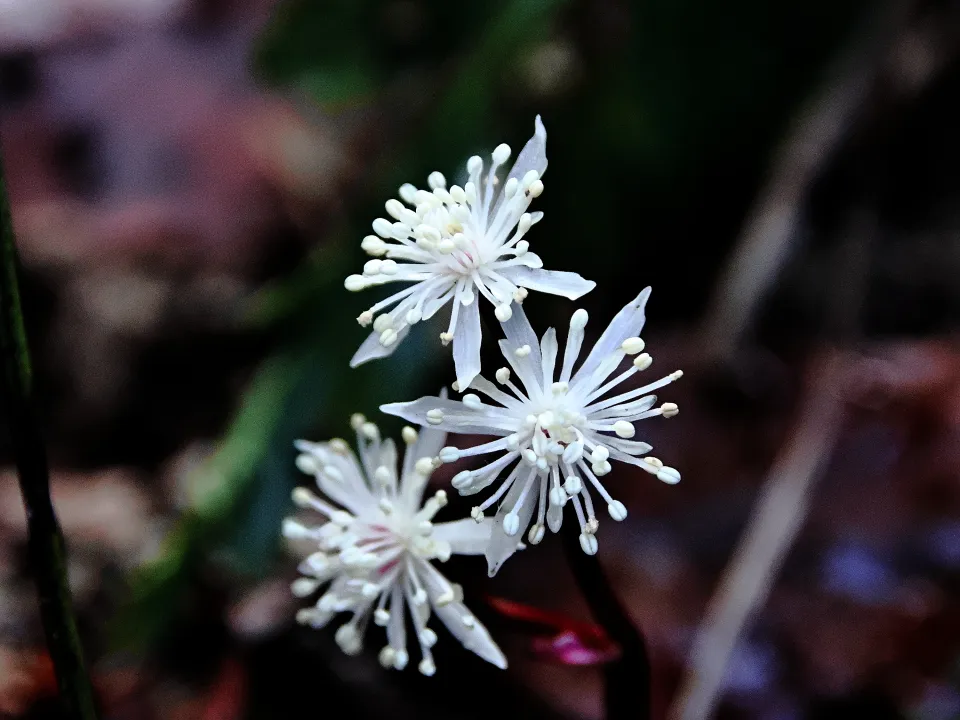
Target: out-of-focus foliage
187 233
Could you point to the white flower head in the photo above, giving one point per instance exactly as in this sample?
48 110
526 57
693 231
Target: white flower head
557 432
376 547
453 244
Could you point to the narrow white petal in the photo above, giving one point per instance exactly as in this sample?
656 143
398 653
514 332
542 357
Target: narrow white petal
519 332
627 323
466 344
502 546
533 156
474 637
534 153
457 417
466 537
549 349
372 349
553 282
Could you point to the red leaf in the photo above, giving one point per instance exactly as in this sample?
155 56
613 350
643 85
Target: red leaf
567 641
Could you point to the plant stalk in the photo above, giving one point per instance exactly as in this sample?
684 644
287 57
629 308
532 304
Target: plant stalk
626 679
47 552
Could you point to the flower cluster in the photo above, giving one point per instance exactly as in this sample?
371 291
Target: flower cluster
557 422
377 543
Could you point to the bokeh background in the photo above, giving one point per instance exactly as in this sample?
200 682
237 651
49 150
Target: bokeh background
190 181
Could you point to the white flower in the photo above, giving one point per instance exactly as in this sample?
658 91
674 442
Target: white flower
453 244
376 546
558 432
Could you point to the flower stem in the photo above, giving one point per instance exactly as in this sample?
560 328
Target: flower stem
46 548
626 679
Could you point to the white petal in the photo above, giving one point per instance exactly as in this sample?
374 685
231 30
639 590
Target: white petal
502 546
553 282
466 537
534 153
475 638
371 349
533 156
429 442
466 344
519 332
457 417
554 517
351 491
627 323
549 349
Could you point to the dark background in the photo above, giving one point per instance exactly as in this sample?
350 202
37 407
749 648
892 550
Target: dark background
190 181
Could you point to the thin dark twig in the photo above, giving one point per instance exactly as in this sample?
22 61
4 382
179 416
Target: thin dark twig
45 539
626 679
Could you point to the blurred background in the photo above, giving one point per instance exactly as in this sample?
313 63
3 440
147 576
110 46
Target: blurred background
190 181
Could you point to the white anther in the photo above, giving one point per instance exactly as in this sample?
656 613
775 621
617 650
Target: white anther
301 587
449 454
503 375
462 479
389 267
435 416
600 469
388 337
383 322
381 617
632 345
501 154
642 361
307 463
365 318
522 351
354 283
617 510
573 485
536 189
599 454
428 637
535 534
446 338
407 193
409 435
476 513
373 245
558 497
669 475
424 466
302 497
511 524
669 410
474 164
522 247
382 475
503 312
383 227
529 455
588 543
426 667
472 401
510 189
624 429
579 319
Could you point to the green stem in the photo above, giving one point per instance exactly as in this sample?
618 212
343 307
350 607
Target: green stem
48 558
